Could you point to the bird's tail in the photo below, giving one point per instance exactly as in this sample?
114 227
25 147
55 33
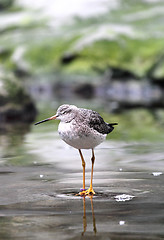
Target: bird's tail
111 126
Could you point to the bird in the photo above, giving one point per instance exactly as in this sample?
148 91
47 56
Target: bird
82 129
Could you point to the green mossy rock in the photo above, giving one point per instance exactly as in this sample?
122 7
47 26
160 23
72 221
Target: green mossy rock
5 4
15 104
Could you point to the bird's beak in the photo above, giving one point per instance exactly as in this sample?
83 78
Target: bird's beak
45 120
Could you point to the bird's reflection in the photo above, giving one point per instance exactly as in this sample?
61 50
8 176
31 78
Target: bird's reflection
85 218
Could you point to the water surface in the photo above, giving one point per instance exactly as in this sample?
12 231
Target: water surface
40 176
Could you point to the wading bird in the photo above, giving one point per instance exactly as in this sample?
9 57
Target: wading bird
82 129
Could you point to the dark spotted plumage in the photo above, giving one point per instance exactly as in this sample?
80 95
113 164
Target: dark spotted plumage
97 122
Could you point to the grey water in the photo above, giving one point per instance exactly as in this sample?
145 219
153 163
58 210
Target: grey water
40 176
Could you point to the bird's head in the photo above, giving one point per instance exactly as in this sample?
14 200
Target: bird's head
65 113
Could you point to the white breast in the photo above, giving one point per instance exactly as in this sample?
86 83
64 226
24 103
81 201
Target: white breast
69 134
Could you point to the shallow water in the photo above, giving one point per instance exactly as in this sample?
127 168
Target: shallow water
40 176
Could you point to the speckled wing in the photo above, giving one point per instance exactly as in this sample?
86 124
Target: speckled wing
97 123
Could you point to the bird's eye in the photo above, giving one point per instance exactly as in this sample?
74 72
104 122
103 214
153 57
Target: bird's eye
66 111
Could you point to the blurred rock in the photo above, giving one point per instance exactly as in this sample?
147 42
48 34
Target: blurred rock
4 4
73 89
85 90
128 91
68 58
15 104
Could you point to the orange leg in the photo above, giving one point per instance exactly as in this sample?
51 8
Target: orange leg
83 165
90 190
